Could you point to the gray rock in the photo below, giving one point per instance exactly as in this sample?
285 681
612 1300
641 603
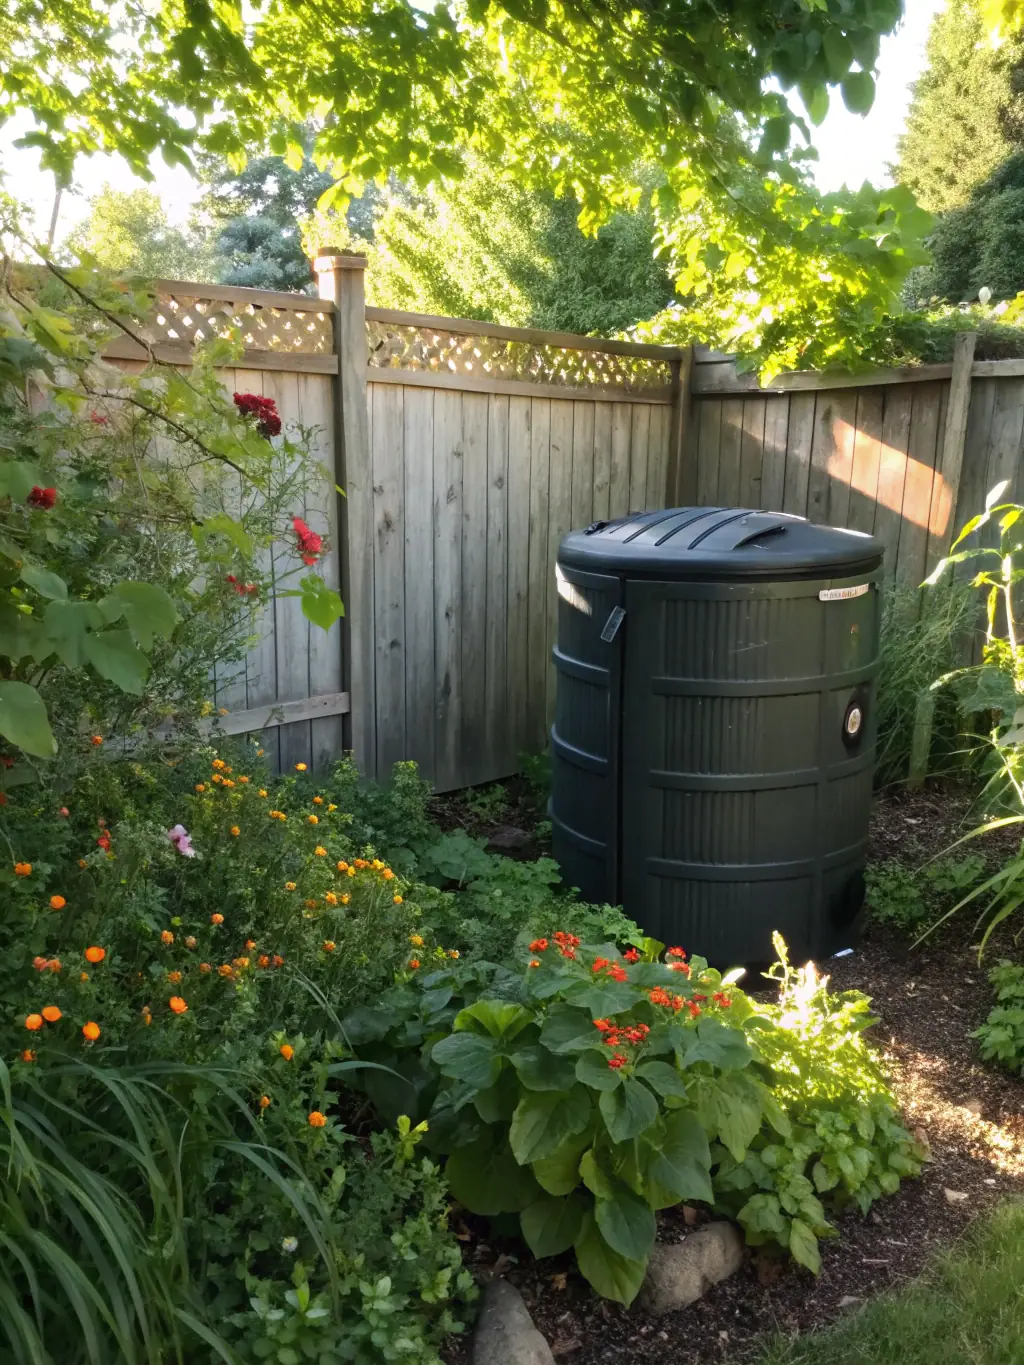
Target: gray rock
683 1272
509 839
505 1334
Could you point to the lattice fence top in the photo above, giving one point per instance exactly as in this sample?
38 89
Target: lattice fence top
401 346
185 319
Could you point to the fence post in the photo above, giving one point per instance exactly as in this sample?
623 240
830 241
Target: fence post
680 482
341 280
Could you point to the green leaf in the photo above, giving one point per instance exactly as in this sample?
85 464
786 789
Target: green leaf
539 1069
681 1168
838 53
595 1176
722 1045
17 479
320 604
815 98
803 1245
551 1226
468 1057
627 1223
487 1179
567 1030
544 1119
628 1111
500 1018
614 1276
559 1173
147 609
65 627
23 720
226 526
593 1070
663 1078
45 583
858 92
113 655
730 1107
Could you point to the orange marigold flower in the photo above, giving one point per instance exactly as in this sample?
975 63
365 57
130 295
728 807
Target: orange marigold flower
278 815
218 763
225 969
227 782
174 977
250 943
416 940
318 800
240 962
454 952
33 1022
277 960
310 904
39 963
91 1031
95 954
227 769
289 886
54 964
345 898
23 869
264 1101
263 961
235 831
320 851
51 1014
414 962
330 898
200 786
96 740
397 900
316 1119
300 767
329 945
535 962
28 1055
216 778
205 967
83 976
377 864
342 866
287 1051
216 918
190 942
57 902
166 936
244 781
331 806
177 1005
387 874
262 791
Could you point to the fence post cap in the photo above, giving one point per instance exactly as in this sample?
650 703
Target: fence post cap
340 260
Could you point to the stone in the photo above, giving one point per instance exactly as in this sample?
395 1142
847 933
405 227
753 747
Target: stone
956 1196
681 1273
505 1334
974 1106
850 1301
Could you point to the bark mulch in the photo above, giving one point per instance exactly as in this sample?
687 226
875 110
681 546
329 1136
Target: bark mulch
927 1001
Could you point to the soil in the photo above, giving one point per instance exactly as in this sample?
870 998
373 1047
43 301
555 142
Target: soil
927 1001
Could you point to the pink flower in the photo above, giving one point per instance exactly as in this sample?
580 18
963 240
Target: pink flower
179 837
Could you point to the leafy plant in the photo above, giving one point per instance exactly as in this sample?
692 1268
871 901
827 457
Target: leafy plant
1001 1036
907 898
597 1087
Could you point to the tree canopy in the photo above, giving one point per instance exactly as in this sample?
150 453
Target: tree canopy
967 111
128 232
562 96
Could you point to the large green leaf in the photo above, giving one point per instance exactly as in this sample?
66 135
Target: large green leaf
500 1018
148 611
551 1226
721 1045
730 1107
858 92
545 1119
320 604
487 1179
468 1057
540 1069
595 1175
629 1110
17 479
559 1173
23 720
593 1070
66 625
681 1168
627 1223
567 1030
45 583
613 1276
114 656
803 1245
663 1078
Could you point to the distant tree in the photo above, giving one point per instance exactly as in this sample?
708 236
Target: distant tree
128 231
967 111
484 248
980 244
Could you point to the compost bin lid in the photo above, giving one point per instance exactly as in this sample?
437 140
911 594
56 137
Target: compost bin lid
734 542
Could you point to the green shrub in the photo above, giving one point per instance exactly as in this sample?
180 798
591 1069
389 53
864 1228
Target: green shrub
909 898
596 1087
1001 1036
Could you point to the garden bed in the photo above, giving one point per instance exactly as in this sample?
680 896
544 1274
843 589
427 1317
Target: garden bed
927 1000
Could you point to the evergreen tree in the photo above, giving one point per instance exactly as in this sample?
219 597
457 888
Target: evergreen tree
967 111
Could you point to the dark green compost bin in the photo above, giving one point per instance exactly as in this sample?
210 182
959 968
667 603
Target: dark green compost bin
714 733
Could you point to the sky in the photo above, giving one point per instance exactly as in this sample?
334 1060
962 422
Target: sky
851 149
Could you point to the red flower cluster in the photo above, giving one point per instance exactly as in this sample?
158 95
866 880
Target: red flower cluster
612 969
243 589
104 841
659 996
567 943
43 498
539 945
676 952
263 410
720 998
310 544
631 955
618 1036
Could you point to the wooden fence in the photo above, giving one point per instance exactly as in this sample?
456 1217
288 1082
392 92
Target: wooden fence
466 450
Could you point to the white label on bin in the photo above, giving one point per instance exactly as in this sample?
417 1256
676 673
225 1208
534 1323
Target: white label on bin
843 594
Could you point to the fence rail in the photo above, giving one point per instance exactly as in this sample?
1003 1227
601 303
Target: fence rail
466 450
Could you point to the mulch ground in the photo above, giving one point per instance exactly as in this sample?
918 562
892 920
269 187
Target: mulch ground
927 1001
